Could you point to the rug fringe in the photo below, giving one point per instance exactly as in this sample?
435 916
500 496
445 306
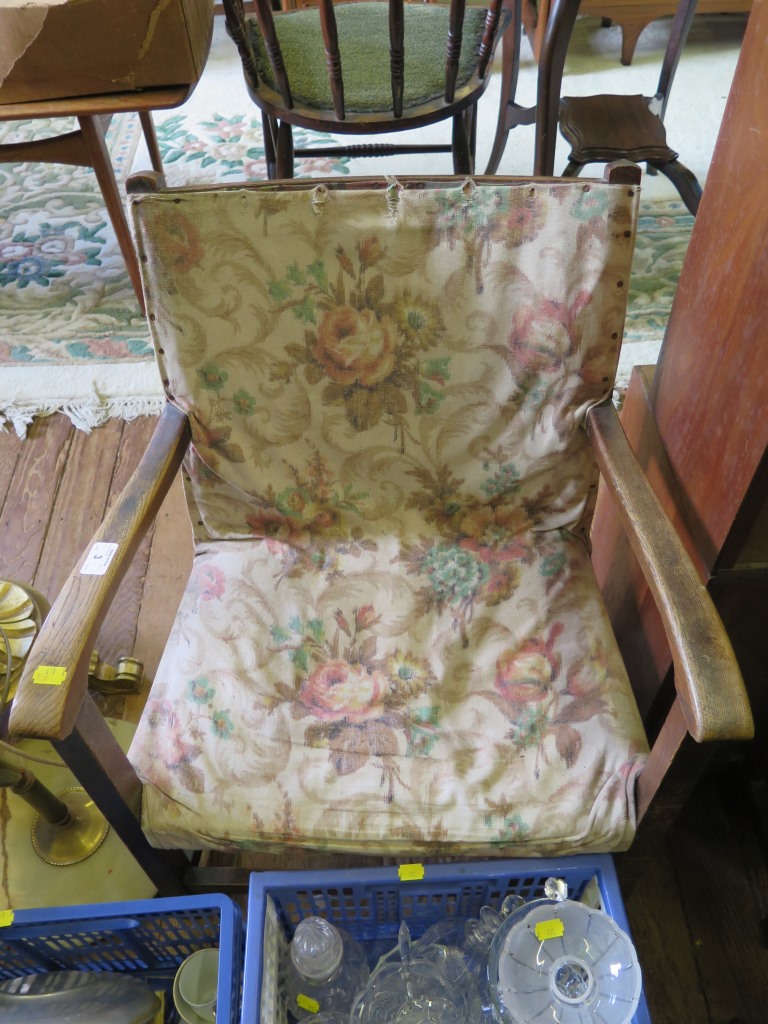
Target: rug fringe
84 415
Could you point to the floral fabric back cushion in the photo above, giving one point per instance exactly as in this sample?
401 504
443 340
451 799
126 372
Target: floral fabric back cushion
379 360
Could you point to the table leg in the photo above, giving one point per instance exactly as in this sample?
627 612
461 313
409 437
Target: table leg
93 135
148 127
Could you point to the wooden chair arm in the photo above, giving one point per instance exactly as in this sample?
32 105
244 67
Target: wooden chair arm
55 678
709 686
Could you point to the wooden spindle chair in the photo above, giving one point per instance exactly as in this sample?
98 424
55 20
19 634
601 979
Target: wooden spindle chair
366 69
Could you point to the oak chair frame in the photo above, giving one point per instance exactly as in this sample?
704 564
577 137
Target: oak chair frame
280 112
709 703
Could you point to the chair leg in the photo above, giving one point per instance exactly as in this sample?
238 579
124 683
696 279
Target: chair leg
471 116
284 151
93 136
573 168
92 754
148 127
510 71
268 127
685 182
462 157
562 18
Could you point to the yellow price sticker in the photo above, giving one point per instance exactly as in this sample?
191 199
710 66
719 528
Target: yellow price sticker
551 929
307 1003
49 675
410 872
6 918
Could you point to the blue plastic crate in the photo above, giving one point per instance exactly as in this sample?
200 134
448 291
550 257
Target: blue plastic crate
147 938
370 903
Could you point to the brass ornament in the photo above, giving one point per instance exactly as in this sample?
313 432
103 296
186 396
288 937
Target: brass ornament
20 619
76 839
125 677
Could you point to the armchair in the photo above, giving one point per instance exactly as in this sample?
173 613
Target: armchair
389 403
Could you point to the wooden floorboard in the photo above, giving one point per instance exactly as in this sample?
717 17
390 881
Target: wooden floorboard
170 561
78 504
698 916
117 636
31 496
723 884
660 932
10 452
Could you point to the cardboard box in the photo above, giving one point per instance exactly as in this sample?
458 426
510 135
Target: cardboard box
64 48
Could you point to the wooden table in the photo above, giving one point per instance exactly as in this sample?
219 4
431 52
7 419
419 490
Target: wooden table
86 146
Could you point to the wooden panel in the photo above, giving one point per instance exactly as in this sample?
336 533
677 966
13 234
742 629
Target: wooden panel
81 497
118 633
31 496
753 551
10 452
170 563
710 389
660 933
723 880
742 600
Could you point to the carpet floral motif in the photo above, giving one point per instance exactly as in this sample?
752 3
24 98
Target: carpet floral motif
64 292
65 295
222 147
663 232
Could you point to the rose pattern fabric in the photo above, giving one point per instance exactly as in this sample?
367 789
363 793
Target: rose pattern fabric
391 639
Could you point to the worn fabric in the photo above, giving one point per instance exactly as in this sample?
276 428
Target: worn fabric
392 638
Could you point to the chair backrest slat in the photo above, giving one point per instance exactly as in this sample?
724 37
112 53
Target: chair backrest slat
268 31
397 54
455 31
489 36
234 16
332 55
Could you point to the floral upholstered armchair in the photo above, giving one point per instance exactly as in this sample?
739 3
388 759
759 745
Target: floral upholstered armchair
390 399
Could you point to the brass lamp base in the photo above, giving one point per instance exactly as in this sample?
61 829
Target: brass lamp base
26 880
76 840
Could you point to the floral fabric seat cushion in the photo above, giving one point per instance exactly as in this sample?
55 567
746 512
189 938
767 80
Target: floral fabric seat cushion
395 697
392 638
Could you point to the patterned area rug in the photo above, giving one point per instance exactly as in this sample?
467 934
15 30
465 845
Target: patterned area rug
71 334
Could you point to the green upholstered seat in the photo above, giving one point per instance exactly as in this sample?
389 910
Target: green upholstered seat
363 30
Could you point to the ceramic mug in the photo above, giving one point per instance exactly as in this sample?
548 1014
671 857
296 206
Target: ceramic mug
195 987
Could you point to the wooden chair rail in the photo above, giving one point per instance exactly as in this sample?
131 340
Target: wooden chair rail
709 686
69 633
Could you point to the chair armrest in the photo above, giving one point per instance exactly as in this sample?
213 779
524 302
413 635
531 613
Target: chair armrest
47 708
707 677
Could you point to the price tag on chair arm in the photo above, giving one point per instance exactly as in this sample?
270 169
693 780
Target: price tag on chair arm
98 559
49 675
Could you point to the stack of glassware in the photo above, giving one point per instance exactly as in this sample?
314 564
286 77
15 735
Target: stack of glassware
551 959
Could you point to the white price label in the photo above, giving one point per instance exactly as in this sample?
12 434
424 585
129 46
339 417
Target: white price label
99 557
